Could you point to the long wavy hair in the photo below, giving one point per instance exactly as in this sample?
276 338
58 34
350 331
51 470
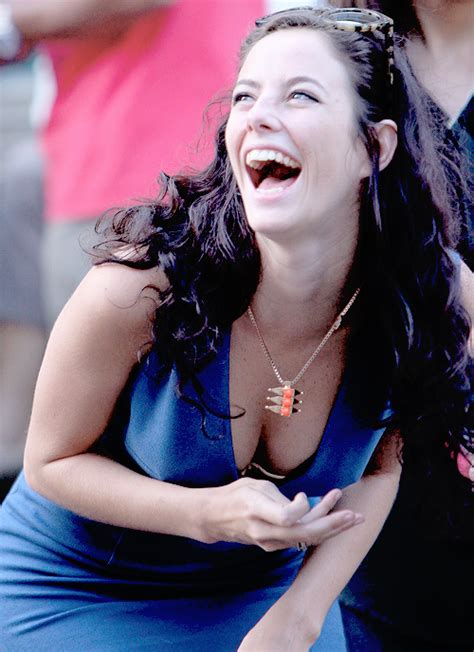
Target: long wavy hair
411 329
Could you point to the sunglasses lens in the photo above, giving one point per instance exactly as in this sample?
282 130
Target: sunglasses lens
348 24
349 17
355 19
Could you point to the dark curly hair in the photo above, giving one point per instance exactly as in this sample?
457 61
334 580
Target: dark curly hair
410 329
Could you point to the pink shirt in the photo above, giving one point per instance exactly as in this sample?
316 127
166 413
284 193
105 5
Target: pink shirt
130 106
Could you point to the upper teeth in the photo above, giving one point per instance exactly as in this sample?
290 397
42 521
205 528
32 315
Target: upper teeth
257 158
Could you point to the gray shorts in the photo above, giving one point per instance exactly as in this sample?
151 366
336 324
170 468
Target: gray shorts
21 221
64 262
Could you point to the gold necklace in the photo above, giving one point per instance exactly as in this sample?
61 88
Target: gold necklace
284 398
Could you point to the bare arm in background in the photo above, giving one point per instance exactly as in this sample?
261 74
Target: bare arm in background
61 19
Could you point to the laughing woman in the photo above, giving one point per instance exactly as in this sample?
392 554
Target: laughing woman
171 501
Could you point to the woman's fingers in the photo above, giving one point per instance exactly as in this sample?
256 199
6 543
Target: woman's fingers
325 505
272 538
347 524
277 510
316 531
296 510
256 512
313 533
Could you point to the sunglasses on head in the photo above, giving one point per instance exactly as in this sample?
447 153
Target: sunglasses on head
348 20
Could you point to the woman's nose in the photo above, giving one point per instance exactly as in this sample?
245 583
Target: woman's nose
262 117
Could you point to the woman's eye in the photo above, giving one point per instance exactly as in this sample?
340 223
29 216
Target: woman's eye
303 95
241 97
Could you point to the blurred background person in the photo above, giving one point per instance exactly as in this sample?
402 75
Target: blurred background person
414 589
440 45
25 99
132 79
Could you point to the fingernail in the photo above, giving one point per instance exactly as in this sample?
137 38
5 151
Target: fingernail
348 518
359 519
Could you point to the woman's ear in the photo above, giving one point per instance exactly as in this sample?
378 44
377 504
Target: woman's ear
386 131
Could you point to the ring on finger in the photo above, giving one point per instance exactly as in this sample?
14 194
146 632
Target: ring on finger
301 546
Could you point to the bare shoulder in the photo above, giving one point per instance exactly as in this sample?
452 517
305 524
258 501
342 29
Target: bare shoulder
114 305
120 286
107 323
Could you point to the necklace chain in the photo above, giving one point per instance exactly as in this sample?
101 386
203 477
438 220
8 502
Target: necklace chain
308 363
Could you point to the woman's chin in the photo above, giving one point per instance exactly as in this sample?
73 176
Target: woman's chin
268 220
274 229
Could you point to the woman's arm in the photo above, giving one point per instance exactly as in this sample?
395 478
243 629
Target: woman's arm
293 624
91 352
39 19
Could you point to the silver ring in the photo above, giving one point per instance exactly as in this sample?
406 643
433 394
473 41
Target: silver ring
302 547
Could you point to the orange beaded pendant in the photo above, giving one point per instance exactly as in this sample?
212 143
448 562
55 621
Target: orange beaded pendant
284 400
284 397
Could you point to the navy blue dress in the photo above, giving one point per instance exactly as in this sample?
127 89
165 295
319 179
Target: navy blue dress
67 582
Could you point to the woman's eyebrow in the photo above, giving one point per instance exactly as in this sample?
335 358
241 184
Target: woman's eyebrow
246 82
299 79
305 79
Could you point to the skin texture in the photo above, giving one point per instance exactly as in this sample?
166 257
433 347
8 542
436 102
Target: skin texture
307 253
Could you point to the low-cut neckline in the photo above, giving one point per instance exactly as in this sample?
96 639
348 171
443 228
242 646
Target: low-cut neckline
310 461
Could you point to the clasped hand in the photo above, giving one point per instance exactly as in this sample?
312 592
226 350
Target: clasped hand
255 512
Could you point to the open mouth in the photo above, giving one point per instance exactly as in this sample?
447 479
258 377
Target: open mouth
271 170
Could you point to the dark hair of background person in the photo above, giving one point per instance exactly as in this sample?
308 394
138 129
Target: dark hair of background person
407 25
411 331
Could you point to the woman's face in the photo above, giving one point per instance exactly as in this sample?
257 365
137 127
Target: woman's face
292 138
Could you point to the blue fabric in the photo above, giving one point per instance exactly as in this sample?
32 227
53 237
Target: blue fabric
68 582
178 452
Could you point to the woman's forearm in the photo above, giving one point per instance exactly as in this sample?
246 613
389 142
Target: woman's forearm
106 491
329 566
